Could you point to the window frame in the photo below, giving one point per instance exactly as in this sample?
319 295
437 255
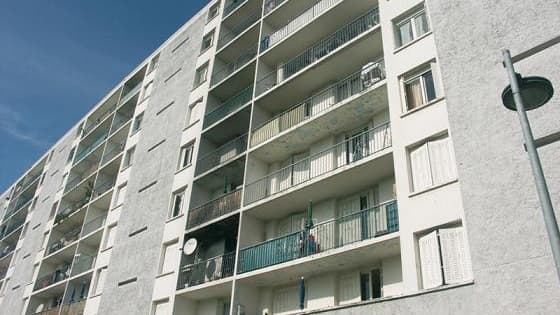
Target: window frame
137 123
128 159
164 257
185 151
119 195
113 229
412 20
212 34
198 81
211 16
172 213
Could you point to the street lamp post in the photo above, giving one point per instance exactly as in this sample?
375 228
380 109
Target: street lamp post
528 94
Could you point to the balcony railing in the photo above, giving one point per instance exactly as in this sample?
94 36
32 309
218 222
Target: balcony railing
93 225
304 18
62 215
119 122
227 36
230 68
320 102
103 188
82 263
339 232
12 227
20 204
232 6
222 154
214 209
51 311
344 153
270 5
27 181
76 308
205 271
111 153
319 50
65 240
229 106
87 150
52 278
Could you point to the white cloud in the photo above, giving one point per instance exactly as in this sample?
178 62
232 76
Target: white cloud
11 123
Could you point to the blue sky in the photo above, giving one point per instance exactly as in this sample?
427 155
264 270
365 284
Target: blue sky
59 58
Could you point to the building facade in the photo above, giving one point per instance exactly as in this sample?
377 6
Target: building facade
299 156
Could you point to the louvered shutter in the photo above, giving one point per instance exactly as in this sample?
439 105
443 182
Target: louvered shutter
430 261
420 164
441 161
456 261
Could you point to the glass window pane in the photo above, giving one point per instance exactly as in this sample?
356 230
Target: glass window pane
421 24
413 90
405 33
429 86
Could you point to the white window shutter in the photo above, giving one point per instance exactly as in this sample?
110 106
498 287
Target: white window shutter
430 261
420 164
441 161
456 261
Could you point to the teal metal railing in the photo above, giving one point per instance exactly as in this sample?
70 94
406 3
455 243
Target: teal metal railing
322 237
229 106
319 50
320 102
344 153
239 62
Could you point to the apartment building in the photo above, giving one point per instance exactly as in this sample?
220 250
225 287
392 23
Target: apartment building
299 157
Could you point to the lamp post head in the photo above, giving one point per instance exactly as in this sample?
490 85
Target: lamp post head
535 91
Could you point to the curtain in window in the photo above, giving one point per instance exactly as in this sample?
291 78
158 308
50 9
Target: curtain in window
421 25
420 165
405 32
413 91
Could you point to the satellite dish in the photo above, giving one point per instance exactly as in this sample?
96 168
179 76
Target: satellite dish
190 246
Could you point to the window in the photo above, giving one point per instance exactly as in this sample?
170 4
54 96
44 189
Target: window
63 179
207 41
177 201
153 63
53 210
412 27
129 157
169 258
100 281
213 12
444 257
121 193
45 240
161 307
147 90
193 114
432 164
420 88
137 122
185 158
201 75
110 236
370 285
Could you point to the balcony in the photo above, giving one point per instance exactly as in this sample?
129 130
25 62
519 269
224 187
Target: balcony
20 204
212 269
228 107
126 96
232 6
93 225
214 209
270 5
275 36
110 153
347 152
6 251
98 121
27 182
320 102
58 275
66 239
82 263
230 68
229 34
221 155
87 150
329 235
51 311
12 227
319 51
